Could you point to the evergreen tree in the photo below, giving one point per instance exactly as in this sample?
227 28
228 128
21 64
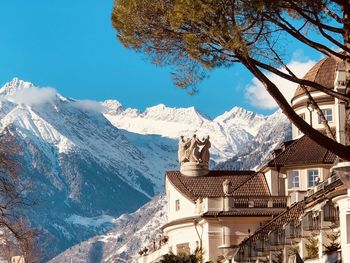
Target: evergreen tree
198 35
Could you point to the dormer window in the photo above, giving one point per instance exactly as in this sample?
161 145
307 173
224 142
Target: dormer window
293 180
328 114
177 205
313 177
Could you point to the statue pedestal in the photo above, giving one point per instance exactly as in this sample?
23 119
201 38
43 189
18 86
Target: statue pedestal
194 169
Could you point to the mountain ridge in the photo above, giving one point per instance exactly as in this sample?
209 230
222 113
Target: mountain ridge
88 157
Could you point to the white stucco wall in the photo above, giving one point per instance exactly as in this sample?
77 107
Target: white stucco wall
323 174
344 217
183 233
187 208
313 116
272 181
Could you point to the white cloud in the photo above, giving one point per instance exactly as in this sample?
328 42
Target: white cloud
34 95
257 95
89 105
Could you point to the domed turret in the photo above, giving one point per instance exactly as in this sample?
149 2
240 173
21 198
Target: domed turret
323 73
329 73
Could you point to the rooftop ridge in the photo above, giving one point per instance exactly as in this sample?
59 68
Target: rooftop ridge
211 185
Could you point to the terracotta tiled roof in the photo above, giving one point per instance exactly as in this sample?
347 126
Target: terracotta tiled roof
323 72
303 151
247 183
246 212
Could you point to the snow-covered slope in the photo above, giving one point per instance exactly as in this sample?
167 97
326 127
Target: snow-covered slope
123 243
82 167
90 162
228 132
132 233
255 152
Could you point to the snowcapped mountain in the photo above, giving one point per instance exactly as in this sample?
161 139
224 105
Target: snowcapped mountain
228 132
142 227
82 167
91 162
255 152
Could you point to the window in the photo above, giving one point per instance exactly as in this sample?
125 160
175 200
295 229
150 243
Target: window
177 205
293 180
302 115
327 114
312 176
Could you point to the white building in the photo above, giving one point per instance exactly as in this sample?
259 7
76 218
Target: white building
292 208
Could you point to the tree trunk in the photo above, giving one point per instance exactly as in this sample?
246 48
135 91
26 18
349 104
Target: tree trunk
346 16
340 150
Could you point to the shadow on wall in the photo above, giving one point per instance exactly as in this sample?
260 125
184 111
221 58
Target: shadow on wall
96 252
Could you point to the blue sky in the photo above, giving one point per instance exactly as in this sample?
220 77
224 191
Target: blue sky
71 46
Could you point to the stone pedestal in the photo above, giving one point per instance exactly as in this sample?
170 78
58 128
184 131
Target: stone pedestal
194 169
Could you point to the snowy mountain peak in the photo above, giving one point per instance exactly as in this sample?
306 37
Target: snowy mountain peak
112 107
241 118
237 112
162 112
15 85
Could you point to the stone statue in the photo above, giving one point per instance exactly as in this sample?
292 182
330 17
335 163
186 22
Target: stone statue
192 153
183 145
205 156
194 150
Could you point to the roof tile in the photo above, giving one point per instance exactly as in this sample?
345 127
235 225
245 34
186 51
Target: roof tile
323 73
247 183
303 151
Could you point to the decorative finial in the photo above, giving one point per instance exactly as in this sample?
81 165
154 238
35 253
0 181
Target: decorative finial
226 185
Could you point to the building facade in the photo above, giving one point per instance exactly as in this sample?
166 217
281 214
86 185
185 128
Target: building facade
293 209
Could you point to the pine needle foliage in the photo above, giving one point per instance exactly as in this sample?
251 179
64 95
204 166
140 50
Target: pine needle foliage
194 36
333 241
312 247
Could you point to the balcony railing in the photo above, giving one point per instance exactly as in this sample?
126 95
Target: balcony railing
259 202
247 253
311 222
293 230
331 213
277 239
155 251
155 255
262 247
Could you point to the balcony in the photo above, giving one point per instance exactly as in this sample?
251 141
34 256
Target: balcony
293 230
232 203
262 247
247 253
155 251
277 239
155 255
240 257
330 215
259 202
311 222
